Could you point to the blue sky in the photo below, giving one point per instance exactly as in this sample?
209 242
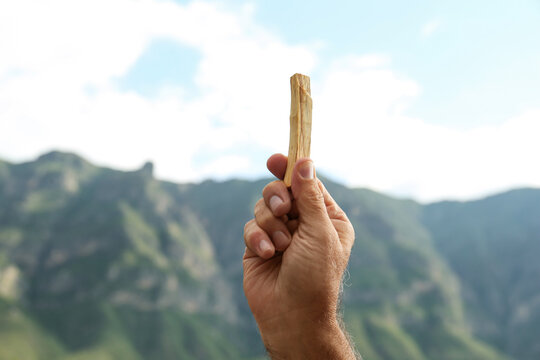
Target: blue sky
467 55
163 63
423 99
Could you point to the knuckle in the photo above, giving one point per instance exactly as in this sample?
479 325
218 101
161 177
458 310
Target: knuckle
247 228
246 225
277 186
273 187
269 188
313 202
250 232
259 206
314 196
265 218
255 234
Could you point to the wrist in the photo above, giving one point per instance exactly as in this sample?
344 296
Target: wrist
300 337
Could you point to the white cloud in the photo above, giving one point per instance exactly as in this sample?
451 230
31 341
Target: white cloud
63 46
361 133
226 166
430 27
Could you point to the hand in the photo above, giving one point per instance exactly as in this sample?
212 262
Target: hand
297 249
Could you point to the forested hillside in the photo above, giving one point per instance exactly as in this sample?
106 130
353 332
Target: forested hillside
103 264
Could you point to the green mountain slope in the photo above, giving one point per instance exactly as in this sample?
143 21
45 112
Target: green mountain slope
402 298
103 264
493 245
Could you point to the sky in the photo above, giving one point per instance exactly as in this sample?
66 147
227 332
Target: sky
427 100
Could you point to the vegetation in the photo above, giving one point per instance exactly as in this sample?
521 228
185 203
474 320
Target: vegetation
103 264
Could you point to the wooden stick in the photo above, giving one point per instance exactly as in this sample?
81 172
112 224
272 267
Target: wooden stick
300 134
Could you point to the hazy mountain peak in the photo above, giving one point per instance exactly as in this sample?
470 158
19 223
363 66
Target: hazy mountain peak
147 169
67 158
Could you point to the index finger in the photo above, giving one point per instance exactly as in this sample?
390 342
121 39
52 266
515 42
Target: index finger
277 164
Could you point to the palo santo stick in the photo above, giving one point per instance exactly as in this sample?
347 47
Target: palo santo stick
300 134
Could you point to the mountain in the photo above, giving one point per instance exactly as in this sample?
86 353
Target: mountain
493 246
103 264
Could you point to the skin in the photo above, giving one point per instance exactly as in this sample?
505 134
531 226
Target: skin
297 249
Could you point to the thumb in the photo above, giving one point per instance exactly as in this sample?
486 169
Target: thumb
308 195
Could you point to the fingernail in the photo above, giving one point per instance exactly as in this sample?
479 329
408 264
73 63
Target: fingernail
275 201
264 247
306 170
281 241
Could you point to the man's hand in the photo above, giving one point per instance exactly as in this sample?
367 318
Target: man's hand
297 249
